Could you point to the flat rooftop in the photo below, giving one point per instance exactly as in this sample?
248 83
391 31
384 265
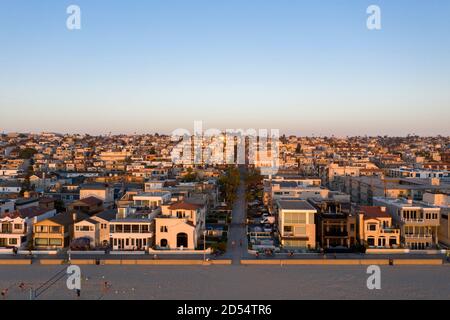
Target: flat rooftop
295 205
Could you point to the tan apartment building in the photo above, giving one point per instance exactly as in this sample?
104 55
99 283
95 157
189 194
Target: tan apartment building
180 225
376 229
55 232
95 228
13 230
296 224
418 222
131 233
441 199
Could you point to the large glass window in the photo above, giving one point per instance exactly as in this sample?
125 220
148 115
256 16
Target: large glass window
41 229
41 241
295 218
55 229
55 242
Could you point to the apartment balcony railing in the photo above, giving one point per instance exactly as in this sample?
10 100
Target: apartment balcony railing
11 231
390 231
418 236
335 233
293 235
434 222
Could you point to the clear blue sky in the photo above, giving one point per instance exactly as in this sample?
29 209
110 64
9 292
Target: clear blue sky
304 67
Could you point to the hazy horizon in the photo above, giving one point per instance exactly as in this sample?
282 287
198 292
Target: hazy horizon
154 66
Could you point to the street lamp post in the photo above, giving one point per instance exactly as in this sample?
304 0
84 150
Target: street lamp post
204 245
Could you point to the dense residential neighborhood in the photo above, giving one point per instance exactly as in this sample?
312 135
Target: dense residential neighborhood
123 193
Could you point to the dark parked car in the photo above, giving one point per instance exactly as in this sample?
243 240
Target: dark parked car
80 244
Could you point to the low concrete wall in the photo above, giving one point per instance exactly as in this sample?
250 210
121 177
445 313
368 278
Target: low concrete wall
165 262
418 262
161 252
387 251
81 253
50 261
342 262
15 261
316 262
37 252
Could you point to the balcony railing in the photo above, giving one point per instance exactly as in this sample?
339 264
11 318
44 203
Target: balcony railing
390 231
418 236
335 233
420 221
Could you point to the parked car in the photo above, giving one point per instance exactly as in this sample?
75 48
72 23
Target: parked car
80 244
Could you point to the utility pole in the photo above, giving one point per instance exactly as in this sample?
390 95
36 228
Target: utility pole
204 245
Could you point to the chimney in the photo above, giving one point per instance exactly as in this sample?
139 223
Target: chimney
74 217
383 209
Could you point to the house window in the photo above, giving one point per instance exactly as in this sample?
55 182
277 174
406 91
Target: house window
163 229
145 228
181 214
55 229
41 229
55 242
372 227
41 242
17 226
135 228
352 227
13 241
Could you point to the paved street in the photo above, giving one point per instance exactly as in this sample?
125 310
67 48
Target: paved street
237 235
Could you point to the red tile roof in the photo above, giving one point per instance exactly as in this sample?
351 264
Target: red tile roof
374 212
32 212
184 206
91 201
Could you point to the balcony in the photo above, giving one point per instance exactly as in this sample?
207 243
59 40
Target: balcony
420 222
389 231
335 233
292 235
418 237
